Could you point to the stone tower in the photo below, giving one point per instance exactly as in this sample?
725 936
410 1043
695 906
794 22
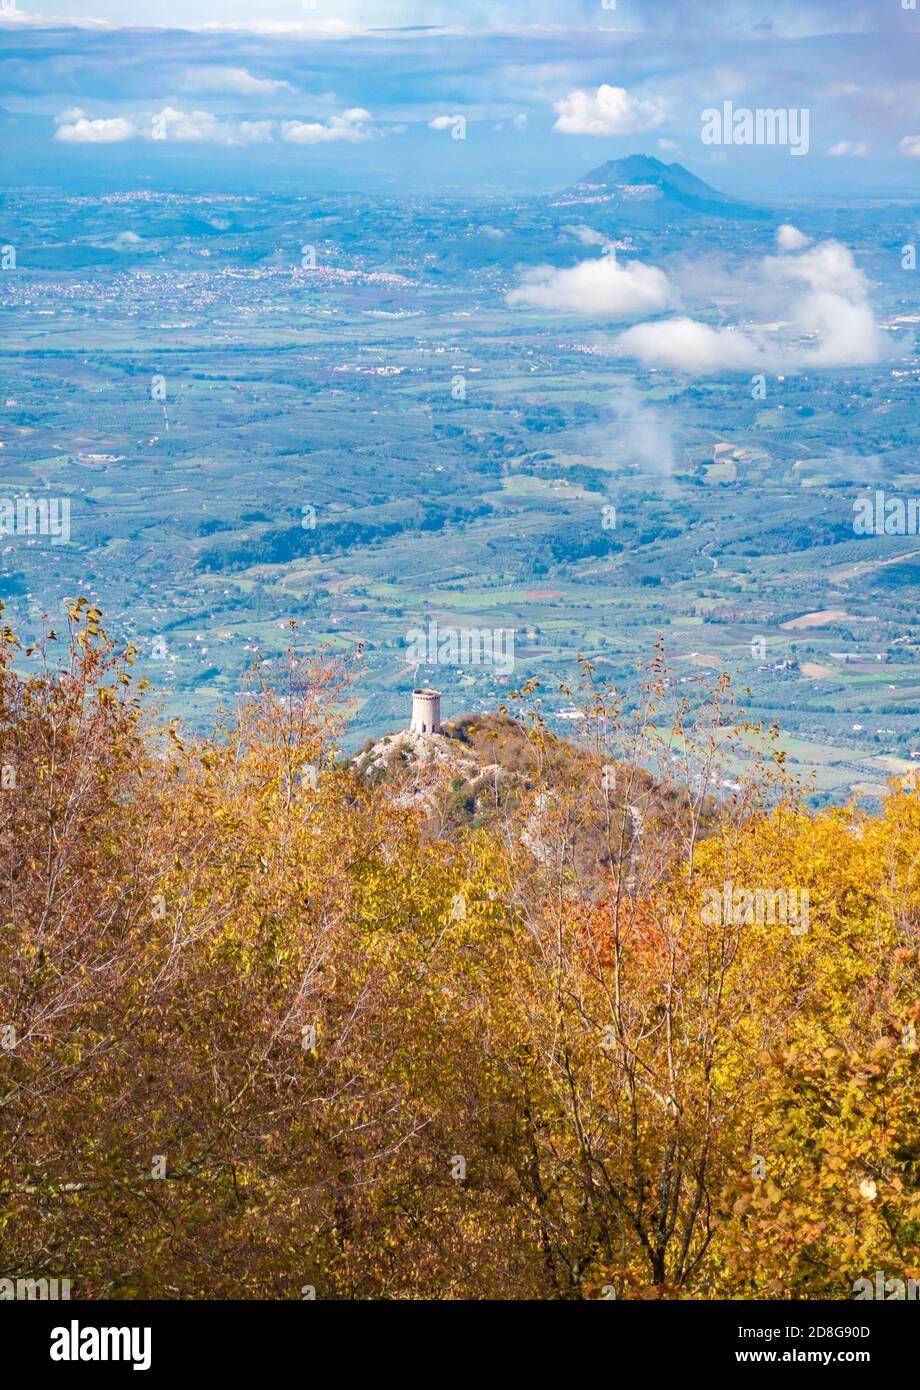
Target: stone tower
426 711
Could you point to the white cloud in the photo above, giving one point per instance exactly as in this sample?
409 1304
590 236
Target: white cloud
443 122
643 436
254 133
520 121
82 131
854 149
203 127
789 238
351 126
836 309
910 146
608 111
847 332
25 20
184 127
828 267
598 288
586 235
688 346
289 29
830 324
233 80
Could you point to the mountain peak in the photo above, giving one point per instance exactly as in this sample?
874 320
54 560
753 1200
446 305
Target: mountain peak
642 187
638 162
643 168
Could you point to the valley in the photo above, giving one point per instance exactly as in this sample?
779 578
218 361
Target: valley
264 409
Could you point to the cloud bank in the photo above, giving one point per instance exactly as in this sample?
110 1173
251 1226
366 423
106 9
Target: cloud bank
203 127
823 298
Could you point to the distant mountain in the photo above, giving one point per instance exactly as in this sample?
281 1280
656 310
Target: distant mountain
645 190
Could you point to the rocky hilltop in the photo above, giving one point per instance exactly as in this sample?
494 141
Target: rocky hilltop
551 795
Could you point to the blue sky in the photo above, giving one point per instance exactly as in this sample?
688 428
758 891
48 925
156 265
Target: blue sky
360 93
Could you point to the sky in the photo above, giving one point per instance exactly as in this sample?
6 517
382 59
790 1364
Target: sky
486 96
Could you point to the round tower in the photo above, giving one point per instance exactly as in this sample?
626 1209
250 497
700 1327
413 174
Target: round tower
426 711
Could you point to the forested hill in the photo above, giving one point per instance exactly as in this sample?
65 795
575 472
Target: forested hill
265 1027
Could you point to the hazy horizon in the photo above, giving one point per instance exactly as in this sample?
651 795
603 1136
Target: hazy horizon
360 96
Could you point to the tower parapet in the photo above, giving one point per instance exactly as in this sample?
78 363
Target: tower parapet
426 711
